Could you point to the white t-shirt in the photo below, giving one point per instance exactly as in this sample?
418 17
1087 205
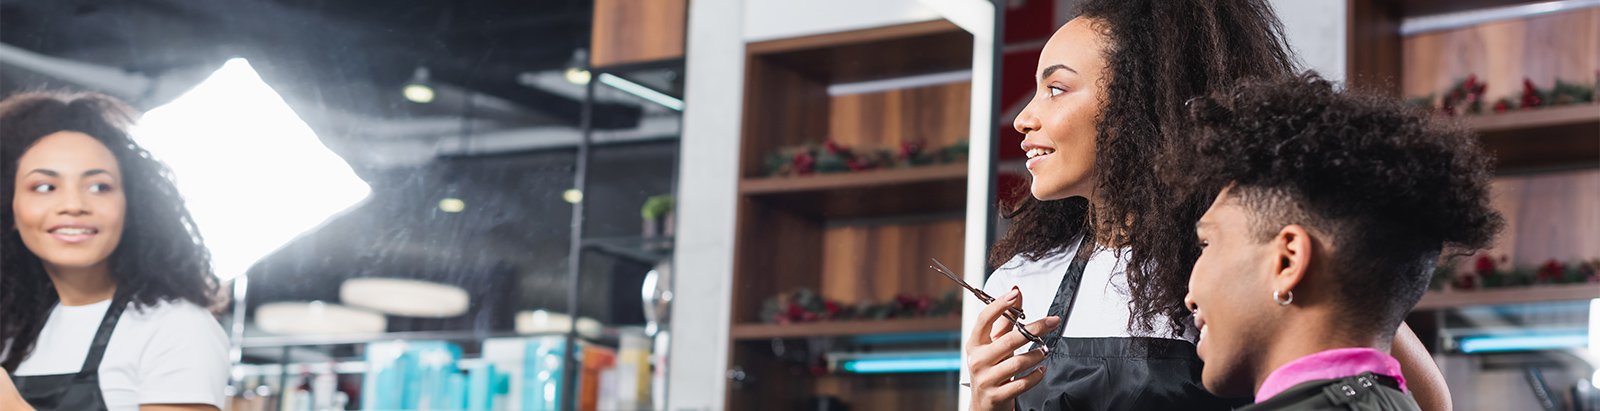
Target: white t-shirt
1103 302
169 353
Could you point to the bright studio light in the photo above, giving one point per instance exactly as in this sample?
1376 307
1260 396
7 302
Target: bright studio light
253 174
572 195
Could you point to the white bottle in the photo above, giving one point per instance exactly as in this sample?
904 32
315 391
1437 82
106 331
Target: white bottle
323 388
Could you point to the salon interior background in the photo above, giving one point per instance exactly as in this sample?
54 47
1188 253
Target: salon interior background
472 177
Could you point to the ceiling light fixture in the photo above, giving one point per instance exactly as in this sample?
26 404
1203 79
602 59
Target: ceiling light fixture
418 90
641 91
452 205
578 68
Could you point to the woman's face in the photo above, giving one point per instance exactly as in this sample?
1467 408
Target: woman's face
1059 123
69 203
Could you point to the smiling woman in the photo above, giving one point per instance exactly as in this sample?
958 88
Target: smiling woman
94 226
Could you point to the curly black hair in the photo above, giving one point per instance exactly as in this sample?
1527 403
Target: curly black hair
160 257
1388 185
1160 54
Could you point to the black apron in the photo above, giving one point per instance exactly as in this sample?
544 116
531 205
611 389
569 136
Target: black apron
80 390
1120 373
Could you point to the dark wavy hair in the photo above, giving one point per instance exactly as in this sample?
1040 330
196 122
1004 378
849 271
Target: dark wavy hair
160 257
1385 183
1160 54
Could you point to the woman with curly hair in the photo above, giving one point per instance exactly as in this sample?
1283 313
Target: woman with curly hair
1110 96
104 282
1334 210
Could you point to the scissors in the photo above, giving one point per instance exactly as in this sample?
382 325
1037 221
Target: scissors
1012 313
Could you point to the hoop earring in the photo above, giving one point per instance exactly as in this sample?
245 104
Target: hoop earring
1283 297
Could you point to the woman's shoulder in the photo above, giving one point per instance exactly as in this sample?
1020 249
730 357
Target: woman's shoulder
172 313
174 324
1022 263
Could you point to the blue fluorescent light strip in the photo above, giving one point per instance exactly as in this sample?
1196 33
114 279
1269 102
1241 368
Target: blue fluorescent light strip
1488 344
641 91
938 363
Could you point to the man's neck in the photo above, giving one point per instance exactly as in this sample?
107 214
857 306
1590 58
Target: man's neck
82 286
1311 334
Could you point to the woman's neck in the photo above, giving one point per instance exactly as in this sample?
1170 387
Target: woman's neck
82 286
1111 236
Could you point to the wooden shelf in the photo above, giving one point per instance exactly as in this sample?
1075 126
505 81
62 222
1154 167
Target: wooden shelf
1536 118
845 328
871 54
1435 300
1556 137
904 191
844 181
1416 8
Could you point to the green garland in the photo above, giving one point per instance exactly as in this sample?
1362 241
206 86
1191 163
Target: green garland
805 306
1466 97
1487 273
830 157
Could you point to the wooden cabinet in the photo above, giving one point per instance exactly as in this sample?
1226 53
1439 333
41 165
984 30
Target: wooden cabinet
637 31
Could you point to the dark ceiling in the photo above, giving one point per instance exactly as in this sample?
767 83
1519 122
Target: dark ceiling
353 55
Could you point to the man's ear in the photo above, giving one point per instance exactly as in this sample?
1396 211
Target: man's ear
1292 251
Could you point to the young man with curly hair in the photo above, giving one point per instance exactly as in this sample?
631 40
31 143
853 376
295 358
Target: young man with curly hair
1335 210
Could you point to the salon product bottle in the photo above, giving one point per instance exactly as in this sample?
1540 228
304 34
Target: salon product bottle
323 387
299 398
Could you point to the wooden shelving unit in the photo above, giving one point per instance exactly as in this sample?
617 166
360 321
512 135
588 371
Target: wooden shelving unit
845 181
1547 159
846 328
1560 137
1421 64
1437 300
914 190
1537 118
851 237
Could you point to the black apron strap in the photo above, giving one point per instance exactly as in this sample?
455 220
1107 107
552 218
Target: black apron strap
1068 292
102 337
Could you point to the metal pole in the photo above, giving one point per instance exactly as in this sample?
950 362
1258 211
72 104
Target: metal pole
241 285
575 256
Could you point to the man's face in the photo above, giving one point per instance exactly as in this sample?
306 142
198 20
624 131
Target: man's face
1230 292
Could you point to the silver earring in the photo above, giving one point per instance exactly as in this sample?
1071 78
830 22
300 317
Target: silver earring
1283 297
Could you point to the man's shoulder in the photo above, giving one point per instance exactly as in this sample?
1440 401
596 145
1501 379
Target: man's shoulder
1364 391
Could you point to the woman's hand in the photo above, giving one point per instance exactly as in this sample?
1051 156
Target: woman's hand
10 399
991 355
